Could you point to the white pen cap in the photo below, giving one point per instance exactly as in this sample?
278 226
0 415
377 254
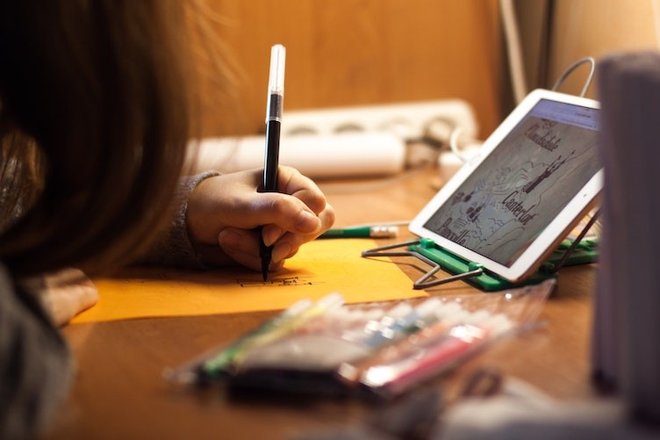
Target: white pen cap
276 75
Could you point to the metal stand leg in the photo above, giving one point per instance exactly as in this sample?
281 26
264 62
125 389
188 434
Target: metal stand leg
422 282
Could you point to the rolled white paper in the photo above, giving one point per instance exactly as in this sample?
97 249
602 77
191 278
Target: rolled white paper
340 155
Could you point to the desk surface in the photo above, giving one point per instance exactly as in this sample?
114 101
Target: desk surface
119 391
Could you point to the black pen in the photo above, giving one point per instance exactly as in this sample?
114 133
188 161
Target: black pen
273 122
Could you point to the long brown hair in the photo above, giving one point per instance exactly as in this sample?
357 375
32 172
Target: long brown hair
94 122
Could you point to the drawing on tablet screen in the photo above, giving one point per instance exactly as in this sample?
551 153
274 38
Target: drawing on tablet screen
519 188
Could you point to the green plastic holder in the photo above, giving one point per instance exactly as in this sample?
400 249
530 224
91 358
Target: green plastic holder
570 252
584 252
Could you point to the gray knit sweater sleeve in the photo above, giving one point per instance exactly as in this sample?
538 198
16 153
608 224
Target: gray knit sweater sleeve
174 247
35 363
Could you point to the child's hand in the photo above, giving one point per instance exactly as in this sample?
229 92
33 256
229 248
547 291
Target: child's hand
226 210
64 294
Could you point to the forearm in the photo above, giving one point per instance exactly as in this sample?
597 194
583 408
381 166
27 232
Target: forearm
175 248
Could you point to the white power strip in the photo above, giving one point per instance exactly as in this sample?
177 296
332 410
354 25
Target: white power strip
349 141
406 120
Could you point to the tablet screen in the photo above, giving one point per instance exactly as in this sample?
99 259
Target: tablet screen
518 189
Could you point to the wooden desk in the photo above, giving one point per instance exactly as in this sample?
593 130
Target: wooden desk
119 391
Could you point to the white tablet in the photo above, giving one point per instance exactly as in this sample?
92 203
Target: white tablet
537 175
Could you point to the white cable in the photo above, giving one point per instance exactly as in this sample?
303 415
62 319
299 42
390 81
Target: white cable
453 143
514 49
590 76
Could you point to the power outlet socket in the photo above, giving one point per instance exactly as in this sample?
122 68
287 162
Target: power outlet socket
410 120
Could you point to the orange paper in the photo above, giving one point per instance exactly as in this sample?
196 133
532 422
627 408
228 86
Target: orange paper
319 268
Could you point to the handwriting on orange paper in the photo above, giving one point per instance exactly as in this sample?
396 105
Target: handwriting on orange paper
280 282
